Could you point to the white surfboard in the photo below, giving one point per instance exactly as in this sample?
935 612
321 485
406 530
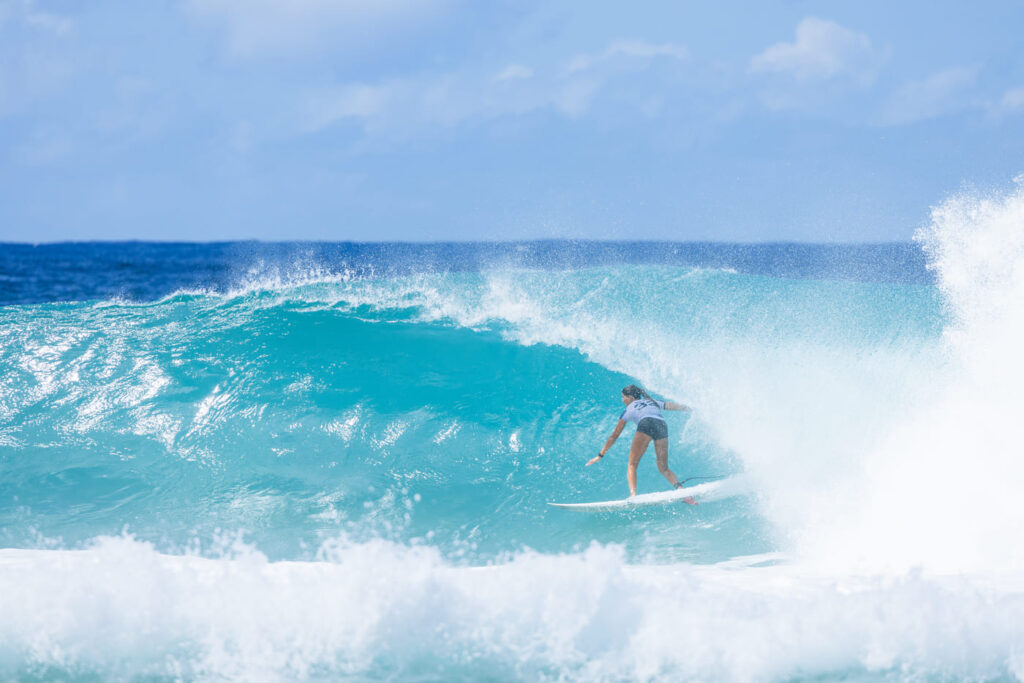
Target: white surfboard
702 493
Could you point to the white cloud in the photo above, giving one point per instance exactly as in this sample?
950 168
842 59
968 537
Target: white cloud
26 11
256 27
574 98
356 101
514 72
630 49
35 64
400 106
54 23
941 93
822 50
1012 101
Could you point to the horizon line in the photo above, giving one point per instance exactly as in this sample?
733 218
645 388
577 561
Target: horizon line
837 243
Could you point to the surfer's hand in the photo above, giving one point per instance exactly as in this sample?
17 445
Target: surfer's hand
594 459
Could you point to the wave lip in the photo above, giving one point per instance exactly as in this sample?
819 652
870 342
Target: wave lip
379 609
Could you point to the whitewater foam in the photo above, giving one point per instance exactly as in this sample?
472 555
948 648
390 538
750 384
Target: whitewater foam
120 609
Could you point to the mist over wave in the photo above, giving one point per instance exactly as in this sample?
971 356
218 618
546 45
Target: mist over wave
944 484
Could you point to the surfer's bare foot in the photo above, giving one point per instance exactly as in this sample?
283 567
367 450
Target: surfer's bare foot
689 500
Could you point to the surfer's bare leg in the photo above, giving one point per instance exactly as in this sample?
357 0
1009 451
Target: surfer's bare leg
636 451
661 450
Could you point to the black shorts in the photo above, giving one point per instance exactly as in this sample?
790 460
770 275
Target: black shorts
653 427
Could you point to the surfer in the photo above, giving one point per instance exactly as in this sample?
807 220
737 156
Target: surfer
650 426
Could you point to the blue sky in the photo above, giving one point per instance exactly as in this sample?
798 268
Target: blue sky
450 119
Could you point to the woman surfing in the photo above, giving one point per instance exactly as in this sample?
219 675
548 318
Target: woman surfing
650 426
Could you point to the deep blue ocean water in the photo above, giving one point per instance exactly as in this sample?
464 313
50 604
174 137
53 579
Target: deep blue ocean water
144 271
316 461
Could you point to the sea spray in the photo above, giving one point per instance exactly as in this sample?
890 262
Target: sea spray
944 487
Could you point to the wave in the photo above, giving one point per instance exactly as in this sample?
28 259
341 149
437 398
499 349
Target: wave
292 419
300 401
386 445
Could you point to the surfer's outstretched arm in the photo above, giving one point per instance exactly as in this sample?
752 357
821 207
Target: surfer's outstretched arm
608 444
669 405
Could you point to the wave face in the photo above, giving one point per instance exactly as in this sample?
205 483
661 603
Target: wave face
328 461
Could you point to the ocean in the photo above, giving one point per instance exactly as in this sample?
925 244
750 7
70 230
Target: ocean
333 461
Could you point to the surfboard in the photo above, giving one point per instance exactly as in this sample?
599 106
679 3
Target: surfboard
712 490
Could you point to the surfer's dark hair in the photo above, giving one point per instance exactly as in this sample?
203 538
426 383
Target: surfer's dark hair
634 391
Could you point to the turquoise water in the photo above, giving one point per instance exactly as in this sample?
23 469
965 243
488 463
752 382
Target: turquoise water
399 408
337 474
